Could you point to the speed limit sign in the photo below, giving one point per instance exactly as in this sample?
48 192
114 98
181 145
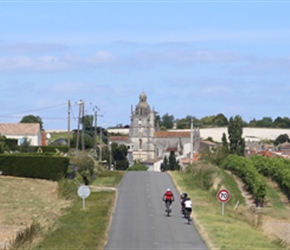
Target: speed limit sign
223 195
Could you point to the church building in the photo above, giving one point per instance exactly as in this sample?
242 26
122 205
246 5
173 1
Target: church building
146 143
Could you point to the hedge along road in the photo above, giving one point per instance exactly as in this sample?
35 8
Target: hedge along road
139 220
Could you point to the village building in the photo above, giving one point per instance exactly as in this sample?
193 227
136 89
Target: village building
20 131
147 144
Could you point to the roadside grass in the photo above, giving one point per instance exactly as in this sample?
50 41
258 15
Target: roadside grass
276 202
237 228
83 228
57 135
108 178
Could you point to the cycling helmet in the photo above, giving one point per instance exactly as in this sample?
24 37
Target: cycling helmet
168 189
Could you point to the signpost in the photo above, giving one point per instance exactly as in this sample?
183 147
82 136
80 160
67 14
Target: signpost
223 196
84 192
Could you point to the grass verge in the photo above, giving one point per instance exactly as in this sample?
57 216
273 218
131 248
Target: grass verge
237 229
84 228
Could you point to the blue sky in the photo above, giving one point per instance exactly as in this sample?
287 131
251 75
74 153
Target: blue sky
195 58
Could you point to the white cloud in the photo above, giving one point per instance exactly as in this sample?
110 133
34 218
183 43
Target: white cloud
102 58
51 63
267 66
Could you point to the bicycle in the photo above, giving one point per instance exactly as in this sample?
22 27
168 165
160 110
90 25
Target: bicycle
168 210
187 216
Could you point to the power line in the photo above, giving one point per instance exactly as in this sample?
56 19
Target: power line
48 107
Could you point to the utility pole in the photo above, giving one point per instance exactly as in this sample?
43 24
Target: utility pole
83 126
79 121
101 140
68 124
191 140
96 109
95 128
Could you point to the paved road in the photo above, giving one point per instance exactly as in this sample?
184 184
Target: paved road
139 220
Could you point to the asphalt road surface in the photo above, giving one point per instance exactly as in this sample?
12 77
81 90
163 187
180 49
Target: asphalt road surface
139 220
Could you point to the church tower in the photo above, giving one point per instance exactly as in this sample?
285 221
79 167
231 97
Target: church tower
141 132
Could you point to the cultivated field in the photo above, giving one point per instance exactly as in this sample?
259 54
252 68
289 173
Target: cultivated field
24 201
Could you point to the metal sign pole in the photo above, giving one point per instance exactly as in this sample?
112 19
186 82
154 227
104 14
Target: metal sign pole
84 192
84 203
223 196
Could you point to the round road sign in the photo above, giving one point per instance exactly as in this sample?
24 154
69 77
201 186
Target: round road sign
223 195
84 191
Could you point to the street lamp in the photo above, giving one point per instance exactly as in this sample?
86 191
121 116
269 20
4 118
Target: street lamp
101 141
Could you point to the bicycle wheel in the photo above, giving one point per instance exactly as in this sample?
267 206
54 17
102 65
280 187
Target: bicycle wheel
168 208
188 218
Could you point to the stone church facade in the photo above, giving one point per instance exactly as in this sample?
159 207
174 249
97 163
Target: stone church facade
141 131
146 143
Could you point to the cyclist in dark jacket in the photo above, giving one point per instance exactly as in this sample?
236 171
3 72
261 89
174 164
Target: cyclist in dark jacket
183 198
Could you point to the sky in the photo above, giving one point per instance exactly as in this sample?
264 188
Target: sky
197 58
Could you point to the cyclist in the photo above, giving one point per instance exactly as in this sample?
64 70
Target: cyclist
168 196
188 206
183 197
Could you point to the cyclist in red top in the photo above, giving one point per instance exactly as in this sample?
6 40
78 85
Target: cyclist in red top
168 196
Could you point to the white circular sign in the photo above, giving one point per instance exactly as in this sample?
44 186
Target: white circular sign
84 191
223 195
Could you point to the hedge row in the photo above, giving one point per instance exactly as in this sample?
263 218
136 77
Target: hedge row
244 168
34 166
50 149
278 169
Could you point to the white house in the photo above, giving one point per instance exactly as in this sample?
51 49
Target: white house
19 131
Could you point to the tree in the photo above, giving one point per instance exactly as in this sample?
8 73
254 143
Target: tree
281 139
280 123
207 120
235 132
173 164
89 141
3 145
220 120
119 156
225 144
157 119
214 155
186 122
167 121
85 166
266 122
166 163
88 121
32 119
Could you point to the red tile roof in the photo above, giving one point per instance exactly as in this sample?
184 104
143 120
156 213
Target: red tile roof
171 149
119 138
19 128
266 153
195 158
165 134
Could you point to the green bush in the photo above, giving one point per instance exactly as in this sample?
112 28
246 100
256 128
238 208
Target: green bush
204 174
34 166
138 167
245 169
